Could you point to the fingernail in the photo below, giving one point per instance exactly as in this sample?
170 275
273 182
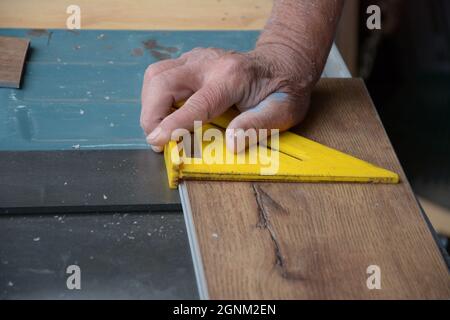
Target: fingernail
229 134
153 135
235 139
157 148
229 139
239 134
241 143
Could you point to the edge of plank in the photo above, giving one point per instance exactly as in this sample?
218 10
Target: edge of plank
193 243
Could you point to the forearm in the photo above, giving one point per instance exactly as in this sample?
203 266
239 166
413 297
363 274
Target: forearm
301 33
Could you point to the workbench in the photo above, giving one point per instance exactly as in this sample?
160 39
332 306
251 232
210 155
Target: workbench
128 234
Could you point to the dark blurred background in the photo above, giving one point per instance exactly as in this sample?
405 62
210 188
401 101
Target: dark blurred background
406 66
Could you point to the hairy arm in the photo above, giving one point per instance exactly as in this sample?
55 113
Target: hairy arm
300 32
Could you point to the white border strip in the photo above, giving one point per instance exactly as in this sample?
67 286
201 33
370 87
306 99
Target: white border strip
193 243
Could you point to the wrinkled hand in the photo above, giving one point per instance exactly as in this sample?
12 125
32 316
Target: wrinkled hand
271 92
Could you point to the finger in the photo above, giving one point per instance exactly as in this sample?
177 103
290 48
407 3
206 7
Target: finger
277 111
161 93
204 105
156 68
151 72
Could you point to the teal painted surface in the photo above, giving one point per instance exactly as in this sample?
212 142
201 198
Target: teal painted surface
82 89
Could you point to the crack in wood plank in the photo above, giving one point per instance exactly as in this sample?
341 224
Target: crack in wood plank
264 223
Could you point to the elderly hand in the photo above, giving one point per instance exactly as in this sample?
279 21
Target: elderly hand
271 91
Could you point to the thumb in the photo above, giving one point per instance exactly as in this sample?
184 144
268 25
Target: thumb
277 111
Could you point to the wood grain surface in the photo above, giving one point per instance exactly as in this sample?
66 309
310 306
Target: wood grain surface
139 14
316 241
12 58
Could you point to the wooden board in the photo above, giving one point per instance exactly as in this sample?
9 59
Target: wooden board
140 14
12 58
439 216
316 241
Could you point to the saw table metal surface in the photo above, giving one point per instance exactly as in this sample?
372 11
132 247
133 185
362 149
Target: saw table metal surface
84 181
121 255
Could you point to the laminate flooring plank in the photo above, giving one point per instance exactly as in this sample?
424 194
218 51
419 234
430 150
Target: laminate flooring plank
316 241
